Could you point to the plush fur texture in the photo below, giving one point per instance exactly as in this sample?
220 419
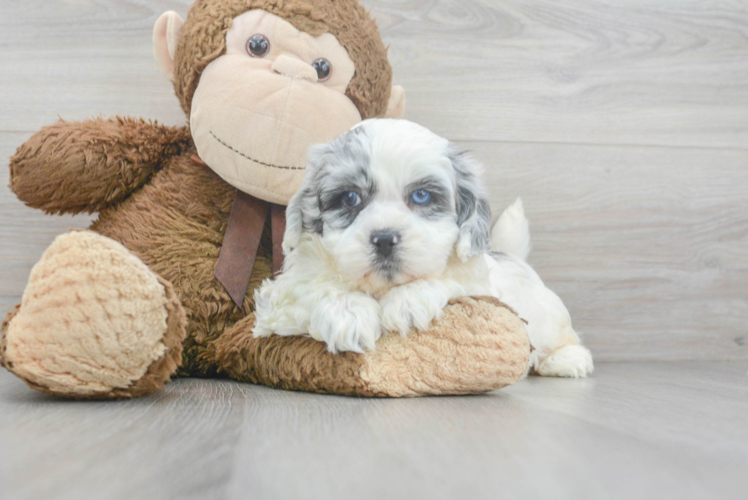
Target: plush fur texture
479 345
175 224
203 39
253 118
92 165
172 211
94 320
164 213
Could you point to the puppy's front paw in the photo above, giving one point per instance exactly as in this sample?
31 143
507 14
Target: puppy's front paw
405 308
349 322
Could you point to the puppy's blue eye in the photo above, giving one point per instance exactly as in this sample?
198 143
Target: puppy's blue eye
351 199
420 197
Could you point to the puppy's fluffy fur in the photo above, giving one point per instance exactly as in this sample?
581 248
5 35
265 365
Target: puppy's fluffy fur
390 224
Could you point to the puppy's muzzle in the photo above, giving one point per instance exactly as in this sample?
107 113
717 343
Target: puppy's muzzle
384 242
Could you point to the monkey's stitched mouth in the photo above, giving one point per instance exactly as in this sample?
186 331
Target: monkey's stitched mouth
227 146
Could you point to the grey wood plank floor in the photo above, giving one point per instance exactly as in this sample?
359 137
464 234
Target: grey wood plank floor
646 430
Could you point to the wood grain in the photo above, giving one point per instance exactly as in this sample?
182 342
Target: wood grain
176 444
647 246
622 124
81 58
644 430
579 71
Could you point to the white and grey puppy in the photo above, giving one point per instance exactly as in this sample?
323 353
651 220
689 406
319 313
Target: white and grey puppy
391 223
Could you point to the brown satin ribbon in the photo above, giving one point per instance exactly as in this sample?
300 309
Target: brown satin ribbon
240 244
278 226
242 240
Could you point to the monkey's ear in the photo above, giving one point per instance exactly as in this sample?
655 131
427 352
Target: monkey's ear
165 36
396 106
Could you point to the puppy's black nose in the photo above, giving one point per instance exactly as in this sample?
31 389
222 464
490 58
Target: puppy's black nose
384 242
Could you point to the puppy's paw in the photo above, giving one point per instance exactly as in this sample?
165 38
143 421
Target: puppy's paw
572 361
406 307
349 322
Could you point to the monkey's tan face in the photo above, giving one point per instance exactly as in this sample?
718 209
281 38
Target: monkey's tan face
275 92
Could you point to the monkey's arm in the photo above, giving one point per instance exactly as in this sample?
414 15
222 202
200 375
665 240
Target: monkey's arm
478 345
73 167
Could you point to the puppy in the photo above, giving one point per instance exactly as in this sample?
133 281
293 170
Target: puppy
390 224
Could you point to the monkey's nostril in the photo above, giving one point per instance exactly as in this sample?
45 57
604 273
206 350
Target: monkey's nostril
384 242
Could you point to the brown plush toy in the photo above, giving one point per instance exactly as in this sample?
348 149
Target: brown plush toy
146 293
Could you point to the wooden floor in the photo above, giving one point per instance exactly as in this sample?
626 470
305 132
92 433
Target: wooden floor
664 431
624 126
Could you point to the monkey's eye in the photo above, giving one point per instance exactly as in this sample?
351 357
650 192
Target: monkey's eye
351 199
420 197
258 45
323 67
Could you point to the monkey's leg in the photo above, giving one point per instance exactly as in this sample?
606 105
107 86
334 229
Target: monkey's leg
94 322
477 346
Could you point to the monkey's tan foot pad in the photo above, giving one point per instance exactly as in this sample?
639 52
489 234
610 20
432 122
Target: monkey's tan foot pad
94 322
477 346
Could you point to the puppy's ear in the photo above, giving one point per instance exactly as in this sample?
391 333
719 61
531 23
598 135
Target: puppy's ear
303 213
473 209
294 222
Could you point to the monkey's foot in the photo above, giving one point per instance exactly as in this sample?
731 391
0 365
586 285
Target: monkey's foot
94 322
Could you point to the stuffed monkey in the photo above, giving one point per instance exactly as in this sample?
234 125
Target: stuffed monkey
146 292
